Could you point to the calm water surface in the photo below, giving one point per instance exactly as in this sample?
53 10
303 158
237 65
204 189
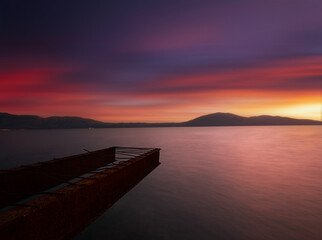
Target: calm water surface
213 183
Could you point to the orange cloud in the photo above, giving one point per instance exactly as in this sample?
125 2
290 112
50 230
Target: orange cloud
280 87
278 75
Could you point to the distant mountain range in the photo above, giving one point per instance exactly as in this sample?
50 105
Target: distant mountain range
10 121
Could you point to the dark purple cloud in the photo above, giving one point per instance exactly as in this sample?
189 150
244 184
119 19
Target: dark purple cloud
138 47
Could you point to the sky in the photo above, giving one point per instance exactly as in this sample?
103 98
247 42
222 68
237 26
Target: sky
161 60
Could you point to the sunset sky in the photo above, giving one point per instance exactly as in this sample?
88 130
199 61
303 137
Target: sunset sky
161 61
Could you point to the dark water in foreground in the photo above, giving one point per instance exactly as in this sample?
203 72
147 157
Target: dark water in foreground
213 183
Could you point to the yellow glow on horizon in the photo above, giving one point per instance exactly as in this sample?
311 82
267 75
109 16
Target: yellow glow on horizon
308 111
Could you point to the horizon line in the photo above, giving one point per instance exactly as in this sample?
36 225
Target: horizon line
160 122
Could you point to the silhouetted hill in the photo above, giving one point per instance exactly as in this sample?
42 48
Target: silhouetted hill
10 121
228 119
216 119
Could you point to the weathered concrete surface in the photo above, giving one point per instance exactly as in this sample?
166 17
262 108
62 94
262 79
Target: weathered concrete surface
63 216
19 183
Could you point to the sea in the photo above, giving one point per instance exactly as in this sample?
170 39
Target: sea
253 182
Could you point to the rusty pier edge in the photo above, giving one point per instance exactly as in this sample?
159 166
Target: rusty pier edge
66 212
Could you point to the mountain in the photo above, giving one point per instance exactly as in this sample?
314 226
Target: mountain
229 119
217 119
10 121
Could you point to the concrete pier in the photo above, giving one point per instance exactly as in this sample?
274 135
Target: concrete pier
69 209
